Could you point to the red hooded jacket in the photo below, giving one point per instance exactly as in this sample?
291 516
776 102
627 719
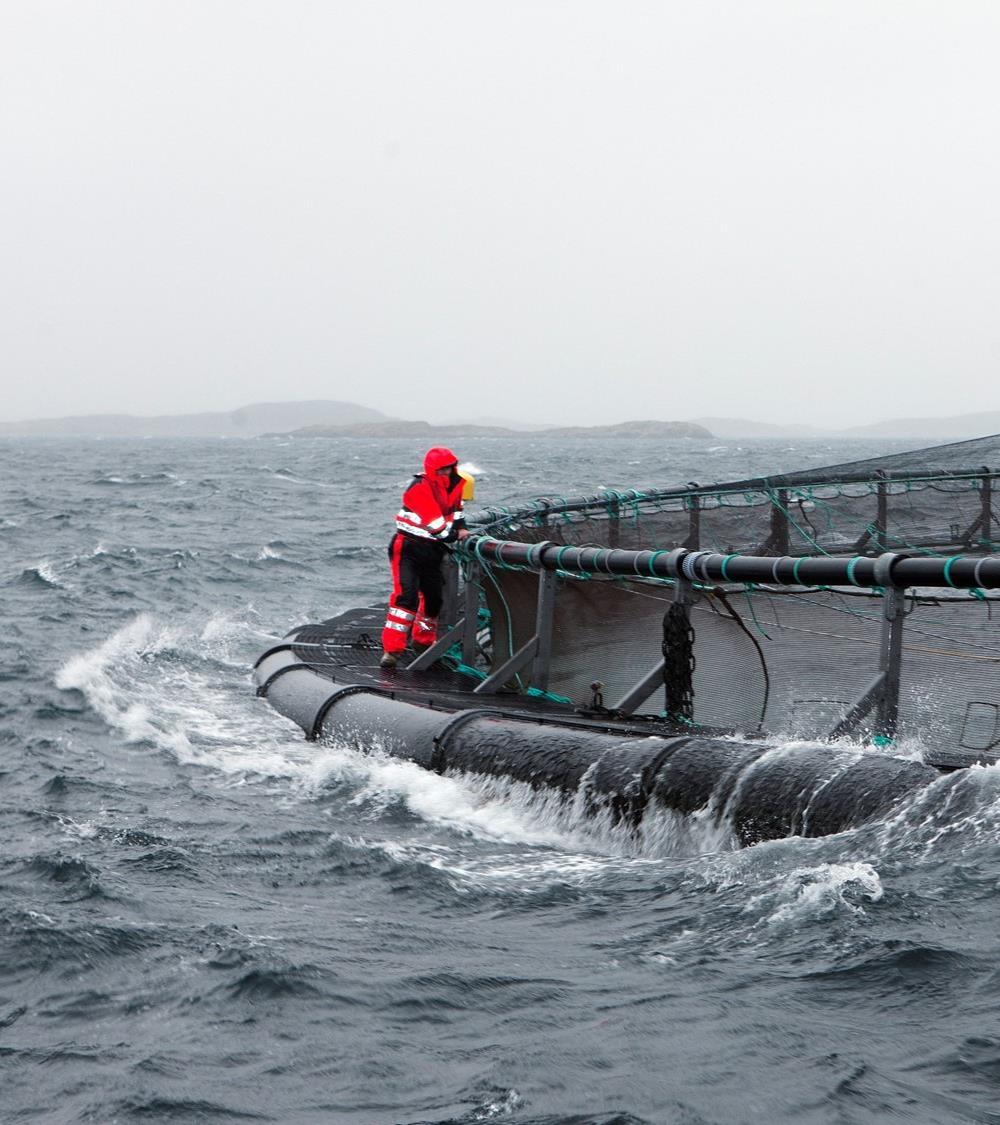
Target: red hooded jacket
432 504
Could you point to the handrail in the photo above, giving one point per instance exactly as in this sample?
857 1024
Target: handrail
553 506
894 569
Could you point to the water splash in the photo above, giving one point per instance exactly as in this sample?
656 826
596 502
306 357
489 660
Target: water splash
42 575
811 893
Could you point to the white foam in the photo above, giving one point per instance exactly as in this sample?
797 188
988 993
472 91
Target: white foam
161 685
809 893
492 809
959 810
146 683
182 688
45 570
289 477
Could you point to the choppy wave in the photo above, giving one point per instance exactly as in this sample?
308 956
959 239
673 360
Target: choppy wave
206 916
40 576
132 479
290 477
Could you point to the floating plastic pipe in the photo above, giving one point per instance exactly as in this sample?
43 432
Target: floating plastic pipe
891 569
760 790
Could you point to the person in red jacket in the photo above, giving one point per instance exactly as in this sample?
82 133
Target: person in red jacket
430 516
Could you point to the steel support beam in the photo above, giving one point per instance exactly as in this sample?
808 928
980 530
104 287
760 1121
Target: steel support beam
876 532
543 629
879 539
636 695
693 541
864 705
524 655
642 690
438 648
891 661
471 615
537 650
777 540
882 694
449 604
614 524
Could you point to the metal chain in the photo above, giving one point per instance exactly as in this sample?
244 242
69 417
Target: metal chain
679 663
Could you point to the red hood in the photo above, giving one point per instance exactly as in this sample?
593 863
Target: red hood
438 458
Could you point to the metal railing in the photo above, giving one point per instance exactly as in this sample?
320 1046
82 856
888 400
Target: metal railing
781 493
890 575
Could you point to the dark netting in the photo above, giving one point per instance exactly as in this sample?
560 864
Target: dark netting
611 632
731 679
639 527
847 518
950 693
790 660
976 455
938 500
820 649
603 631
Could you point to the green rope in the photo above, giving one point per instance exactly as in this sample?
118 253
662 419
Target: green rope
749 588
559 555
819 503
456 664
652 559
538 693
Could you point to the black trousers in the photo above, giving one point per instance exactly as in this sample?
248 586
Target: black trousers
416 571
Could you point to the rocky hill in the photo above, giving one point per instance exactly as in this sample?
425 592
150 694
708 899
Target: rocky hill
248 421
403 429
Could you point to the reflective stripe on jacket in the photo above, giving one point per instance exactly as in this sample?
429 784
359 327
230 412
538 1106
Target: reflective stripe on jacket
430 510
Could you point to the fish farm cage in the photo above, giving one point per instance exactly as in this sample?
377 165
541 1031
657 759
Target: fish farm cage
856 601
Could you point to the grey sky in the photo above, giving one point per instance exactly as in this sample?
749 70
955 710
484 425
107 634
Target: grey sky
570 211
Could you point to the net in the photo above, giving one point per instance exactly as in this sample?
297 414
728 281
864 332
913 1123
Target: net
938 500
789 660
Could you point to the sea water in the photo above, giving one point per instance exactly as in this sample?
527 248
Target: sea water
205 918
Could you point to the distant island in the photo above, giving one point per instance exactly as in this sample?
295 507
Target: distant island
332 418
399 428
318 418
248 421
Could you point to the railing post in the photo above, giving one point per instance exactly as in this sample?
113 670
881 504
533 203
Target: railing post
678 652
463 629
777 540
882 516
543 629
449 606
890 661
986 502
471 615
536 651
614 524
693 541
882 694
